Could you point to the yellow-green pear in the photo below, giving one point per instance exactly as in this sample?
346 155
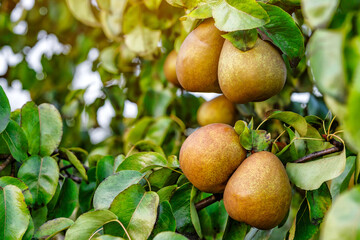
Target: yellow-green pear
251 76
198 57
170 68
259 191
210 155
217 110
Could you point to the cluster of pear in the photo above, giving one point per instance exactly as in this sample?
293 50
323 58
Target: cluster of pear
256 189
206 62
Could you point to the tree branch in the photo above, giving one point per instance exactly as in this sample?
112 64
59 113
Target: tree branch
8 160
208 201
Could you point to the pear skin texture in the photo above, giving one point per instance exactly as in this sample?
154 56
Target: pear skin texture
259 192
210 155
170 68
251 76
198 57
217 110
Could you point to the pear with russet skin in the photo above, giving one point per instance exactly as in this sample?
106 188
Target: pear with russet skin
170 68
217 110
198 57
259 191
210 155
251 76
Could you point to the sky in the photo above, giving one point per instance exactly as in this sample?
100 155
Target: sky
84 77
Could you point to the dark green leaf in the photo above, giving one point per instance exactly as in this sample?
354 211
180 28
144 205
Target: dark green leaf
156 102
319 202
243 40
158 130
163 177
88 223
4 181
113 185
105 168
76 162
166 193
284 33
30 231
14 214
341 183
304 228
293 119
181 204
30 123
41 175
235 230
68 199
4 110
165 220
39 216
16 141
52 227
50 129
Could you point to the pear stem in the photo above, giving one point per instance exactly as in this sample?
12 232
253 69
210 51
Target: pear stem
208 201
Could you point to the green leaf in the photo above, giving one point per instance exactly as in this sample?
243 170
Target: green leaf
14 214
76 162
30 231
39 216
137 131
146 146
319 202
142 162
53 227
68 199
166 193
4 181
41 175
142 40
113 185
341 183
183 3
235 230
319 13
284 33
166 219
50 129
202 11
193 212
233 15
81 9
155 103
304 228
152 4
243 39
16 141
163 177
88 223
342 220
86 191
169 236
30 123
310 175
293 119
158 130
326 61
108 58
105 168
124 206
4 110
107 237
181 204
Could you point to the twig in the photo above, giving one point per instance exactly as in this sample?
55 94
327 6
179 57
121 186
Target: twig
338 147
72 177
208 201
66 167
8 160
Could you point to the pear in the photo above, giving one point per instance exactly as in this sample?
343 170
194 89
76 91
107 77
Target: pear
259 191
217 110
251 76
198 57
210 155
170 68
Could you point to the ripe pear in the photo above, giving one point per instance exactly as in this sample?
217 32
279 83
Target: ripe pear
198 57
217 110
170 68
210 155
259 191
251 76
